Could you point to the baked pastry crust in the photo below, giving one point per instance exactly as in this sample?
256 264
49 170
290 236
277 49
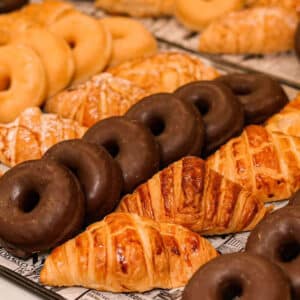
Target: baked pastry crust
126 253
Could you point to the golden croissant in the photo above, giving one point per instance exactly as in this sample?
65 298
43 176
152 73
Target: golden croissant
265 162
287 120
253 30
101 97
32 134
164 72
126 253
190 194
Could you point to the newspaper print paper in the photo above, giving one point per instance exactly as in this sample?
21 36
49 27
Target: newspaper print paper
283 65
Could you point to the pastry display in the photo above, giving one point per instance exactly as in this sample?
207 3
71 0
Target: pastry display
191 194
22 81
165 71
222 113
98 173
137 8
196 15
130 39
251 31
101 97
176 125
260 95
131 144
41 206
277 239
32 134
238 276
297 42
126 253
10 5
266 163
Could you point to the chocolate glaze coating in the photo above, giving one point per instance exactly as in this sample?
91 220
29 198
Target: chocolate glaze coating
176 125
222 112
98 173
10 5
297 42
277 238
41 206
260 95
131 144
295 199
241 275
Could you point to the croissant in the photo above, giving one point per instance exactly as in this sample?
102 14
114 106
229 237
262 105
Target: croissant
287 120
253 30
32 134
126 253
164 72
266 163
190 194
101 97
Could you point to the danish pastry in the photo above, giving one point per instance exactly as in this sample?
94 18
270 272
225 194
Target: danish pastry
130 39
137 8
165 71
22 81
126 253
189 193
196 15
32 134
251 31
101 97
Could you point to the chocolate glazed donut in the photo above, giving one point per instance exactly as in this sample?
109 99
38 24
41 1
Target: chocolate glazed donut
41 206
99 174
222 112
10 5
295 199
297 42
277 238
177 125
131 144
260 95
238 276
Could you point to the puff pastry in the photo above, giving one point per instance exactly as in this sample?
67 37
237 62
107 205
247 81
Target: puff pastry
266 163
190 194
165 71
137 8
32 134
253 30
101 97
126 253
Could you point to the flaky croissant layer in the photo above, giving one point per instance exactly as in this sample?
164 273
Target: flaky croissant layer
126 253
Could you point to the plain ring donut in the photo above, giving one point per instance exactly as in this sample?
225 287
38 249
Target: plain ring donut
238 276
297 42
222 113
22 81
176 125
277 238
46 204
10 5
98 173
260 95
131 144
130 39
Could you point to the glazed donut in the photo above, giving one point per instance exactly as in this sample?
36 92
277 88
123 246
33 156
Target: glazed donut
196 15
99 174
260 95
22 81
131 144
176 125
238 276
42 205
130 39
89 41
297 41
10 5
277 238
295 199
222 113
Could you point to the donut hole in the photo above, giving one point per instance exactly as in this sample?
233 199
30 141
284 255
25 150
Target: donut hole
112 148
202 106
5 83
289 251
29 201
71 43
232 290
242 90
156 125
